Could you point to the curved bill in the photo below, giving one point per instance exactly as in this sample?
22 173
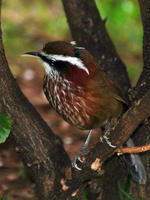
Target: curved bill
33 54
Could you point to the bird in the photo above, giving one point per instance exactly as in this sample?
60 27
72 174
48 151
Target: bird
80 91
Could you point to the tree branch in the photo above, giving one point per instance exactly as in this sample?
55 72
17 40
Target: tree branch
101 151
88 29
140 149
39 148
95 38
143 84
126 126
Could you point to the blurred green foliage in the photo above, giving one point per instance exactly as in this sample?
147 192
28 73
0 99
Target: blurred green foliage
123 24
8 196
125 28
27 24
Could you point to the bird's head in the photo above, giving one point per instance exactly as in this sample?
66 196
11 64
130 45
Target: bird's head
68 60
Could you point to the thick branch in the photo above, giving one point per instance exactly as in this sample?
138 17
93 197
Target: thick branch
39 148
145 15
144 81
79 15
101 151
90 35
88 29
123 130
143 84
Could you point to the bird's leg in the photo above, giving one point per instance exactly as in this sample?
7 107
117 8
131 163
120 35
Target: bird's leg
105 131
105 135
107 127
85 146
82 152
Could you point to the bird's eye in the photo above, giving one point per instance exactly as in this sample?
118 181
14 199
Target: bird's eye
77 52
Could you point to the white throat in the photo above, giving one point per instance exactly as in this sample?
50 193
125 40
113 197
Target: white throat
48 69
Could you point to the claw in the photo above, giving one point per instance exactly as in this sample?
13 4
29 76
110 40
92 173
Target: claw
76 166
74 163
82 152
106 134
108 142
101 139
80 159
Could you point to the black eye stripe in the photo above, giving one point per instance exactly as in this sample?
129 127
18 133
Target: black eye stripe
77 52
60 65
45 59
56 64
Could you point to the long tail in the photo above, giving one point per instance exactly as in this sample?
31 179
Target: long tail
134 164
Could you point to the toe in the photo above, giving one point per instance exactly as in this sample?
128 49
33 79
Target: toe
74 163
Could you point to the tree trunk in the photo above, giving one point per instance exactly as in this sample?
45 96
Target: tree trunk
43 152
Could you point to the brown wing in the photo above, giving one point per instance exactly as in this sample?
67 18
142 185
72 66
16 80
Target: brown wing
103 81
118 94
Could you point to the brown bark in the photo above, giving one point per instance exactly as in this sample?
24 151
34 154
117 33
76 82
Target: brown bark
39 148
140 149
79 15
102 151
142 134
88 29
143 83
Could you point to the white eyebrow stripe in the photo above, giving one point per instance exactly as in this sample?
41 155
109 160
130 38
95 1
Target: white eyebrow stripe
73 43
73 60
80 47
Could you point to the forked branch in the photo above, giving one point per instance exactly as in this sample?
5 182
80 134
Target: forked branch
101 151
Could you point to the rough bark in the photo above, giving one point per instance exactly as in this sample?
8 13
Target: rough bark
39 148
88 29
102 151
143 85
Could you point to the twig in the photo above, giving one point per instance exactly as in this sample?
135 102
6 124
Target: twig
133 149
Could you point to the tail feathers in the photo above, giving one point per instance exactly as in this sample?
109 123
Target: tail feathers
134 165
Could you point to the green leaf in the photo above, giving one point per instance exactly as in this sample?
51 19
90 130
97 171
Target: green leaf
123 193
5 127
85 194
8 196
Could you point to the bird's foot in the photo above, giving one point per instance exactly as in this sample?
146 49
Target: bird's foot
106 138
79 158
74 163
83 151
106 134
108 142
101 139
